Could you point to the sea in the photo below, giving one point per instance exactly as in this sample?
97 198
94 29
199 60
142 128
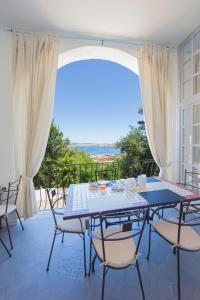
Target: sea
96 150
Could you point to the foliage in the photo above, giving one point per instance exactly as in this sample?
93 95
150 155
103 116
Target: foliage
135 151
63 165
56 168
134 145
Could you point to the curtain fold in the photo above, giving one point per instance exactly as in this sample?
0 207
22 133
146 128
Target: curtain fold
154 64
35 61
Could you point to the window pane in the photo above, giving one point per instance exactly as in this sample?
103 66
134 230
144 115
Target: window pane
196 84
187 71
196 66
182 172
183 136
187 50
183 155
196 114
196 155
183 117
187 86
196 170
196 135
196 41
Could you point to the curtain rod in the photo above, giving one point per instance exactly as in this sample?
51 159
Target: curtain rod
86 38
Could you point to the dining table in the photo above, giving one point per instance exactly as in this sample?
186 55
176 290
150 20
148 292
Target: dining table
85 200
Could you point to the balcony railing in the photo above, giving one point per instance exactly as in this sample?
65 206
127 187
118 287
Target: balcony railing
61 177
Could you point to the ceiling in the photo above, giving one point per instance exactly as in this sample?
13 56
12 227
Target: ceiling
165 22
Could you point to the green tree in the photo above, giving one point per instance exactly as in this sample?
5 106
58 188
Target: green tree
141 123
56 145
61 163
135 152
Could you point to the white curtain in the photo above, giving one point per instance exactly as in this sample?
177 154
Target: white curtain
35 62
155 78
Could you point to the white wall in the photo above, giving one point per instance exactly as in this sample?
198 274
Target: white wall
99 52
6 128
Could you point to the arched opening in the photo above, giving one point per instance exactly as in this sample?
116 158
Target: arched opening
99 52
87 170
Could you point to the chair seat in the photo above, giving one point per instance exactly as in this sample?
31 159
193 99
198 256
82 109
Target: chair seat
11 208
73 225
118 254
189 238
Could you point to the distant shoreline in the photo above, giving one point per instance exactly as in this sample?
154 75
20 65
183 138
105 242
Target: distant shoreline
90 145
99 152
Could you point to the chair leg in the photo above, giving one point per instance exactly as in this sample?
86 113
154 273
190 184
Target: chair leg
103 283
90 259
54 237
184 217
84 253
63 234
5 247
149 247
20 220
178 273
7 225
93 262
140 280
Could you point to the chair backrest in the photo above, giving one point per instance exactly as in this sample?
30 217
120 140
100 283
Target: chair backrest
192 180
54 197
126 226
12 192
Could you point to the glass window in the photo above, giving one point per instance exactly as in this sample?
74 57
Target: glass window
183 117
183 155
196 114
182 171
196 84
187 51
190 108
187 87
196 155
196 63
183 136
195 177
187 71
196 170
196 135
196 43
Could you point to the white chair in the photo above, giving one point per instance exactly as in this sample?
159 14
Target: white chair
115 247
177 232
8 205
77 226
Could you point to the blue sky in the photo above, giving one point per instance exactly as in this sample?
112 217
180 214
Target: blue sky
96 101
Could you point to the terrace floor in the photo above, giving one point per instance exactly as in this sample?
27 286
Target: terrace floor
23 276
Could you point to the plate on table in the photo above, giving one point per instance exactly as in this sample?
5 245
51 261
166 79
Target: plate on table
118 188
93 186
103 182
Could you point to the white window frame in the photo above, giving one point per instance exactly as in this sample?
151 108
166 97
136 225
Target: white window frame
186 158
